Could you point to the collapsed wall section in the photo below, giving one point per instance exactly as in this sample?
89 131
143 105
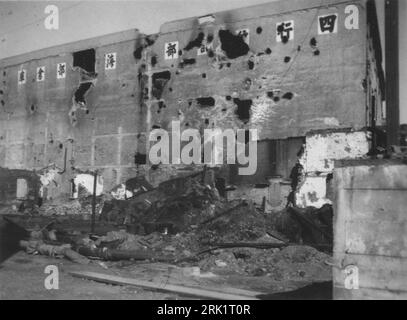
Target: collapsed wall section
320 152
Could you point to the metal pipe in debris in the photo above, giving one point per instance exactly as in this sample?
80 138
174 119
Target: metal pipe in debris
95 175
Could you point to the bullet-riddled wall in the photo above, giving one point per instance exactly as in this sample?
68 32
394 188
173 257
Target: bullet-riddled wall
285 68
304 68
36 128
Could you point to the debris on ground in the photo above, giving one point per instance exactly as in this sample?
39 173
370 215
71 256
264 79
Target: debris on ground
187 223
309 225
39 247
81 206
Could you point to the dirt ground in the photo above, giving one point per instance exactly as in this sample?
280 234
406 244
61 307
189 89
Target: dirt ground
22 277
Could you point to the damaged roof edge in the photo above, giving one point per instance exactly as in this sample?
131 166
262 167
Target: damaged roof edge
256 11
240 14
70 47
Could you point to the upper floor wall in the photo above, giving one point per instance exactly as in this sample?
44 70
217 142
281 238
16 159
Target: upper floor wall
41 111
298 66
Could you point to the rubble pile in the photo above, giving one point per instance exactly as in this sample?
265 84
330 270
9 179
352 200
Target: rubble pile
237 223
61 209
243 223
81 206
289 263
185 222
171 205
309 225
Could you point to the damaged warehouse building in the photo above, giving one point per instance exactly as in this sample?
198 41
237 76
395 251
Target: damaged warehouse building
75 122
314 97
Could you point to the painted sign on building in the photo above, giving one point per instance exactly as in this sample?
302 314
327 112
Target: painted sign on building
171 50
110 61
285 31
328 24
61 70
22 75
40 76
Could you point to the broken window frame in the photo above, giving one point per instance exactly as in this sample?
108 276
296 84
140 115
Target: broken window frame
79 60
87 78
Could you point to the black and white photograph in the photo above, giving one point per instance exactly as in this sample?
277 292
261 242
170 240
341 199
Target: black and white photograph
185 151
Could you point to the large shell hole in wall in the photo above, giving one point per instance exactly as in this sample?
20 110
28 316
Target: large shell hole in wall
288 95
81 92
205 102
153 61
243 109
234 46
161 105
186 62
85 59
160 79
140 158
141 44
196 43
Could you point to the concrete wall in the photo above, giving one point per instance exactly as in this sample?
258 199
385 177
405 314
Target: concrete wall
311 82
282 88
370 230
35 126
320 152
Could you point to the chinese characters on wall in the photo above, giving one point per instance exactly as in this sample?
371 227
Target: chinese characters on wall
22 76
284 32
205 47
110 61
61 70
40 74
328 24
171 50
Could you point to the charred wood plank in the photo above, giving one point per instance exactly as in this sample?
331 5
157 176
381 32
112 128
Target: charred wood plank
183 290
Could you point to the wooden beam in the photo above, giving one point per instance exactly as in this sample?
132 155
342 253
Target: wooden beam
188 291
258 245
